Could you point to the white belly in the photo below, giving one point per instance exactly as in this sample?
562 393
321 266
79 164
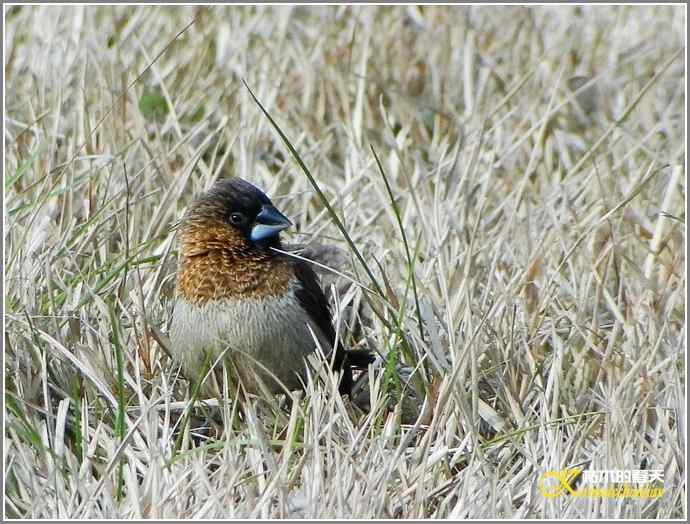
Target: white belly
274 332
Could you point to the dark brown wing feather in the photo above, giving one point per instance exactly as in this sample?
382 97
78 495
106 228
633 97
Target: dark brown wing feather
312 298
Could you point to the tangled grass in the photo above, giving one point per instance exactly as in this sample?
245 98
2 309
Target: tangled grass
522 267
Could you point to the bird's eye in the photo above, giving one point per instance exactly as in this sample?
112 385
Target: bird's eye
237 218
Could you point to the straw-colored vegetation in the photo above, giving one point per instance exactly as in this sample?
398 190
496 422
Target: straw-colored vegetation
522 239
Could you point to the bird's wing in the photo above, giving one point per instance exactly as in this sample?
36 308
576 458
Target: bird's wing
312 298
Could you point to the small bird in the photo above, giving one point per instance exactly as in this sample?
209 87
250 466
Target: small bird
235 294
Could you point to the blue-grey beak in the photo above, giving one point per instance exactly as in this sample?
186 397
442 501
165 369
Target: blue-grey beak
269 222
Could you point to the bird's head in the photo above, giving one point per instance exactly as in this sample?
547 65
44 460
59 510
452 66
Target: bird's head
234 216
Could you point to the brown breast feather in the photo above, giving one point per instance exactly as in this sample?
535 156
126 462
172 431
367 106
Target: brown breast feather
216 263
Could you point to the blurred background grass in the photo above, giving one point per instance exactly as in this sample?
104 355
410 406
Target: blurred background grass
534 159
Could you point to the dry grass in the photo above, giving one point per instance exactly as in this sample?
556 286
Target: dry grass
539 292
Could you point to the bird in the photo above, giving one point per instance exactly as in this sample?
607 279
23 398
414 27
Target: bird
240 297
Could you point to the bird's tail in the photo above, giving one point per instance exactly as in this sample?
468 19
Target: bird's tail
359 359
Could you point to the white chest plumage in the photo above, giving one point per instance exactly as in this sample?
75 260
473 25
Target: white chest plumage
273 331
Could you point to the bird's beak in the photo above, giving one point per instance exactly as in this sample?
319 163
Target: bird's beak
269 222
